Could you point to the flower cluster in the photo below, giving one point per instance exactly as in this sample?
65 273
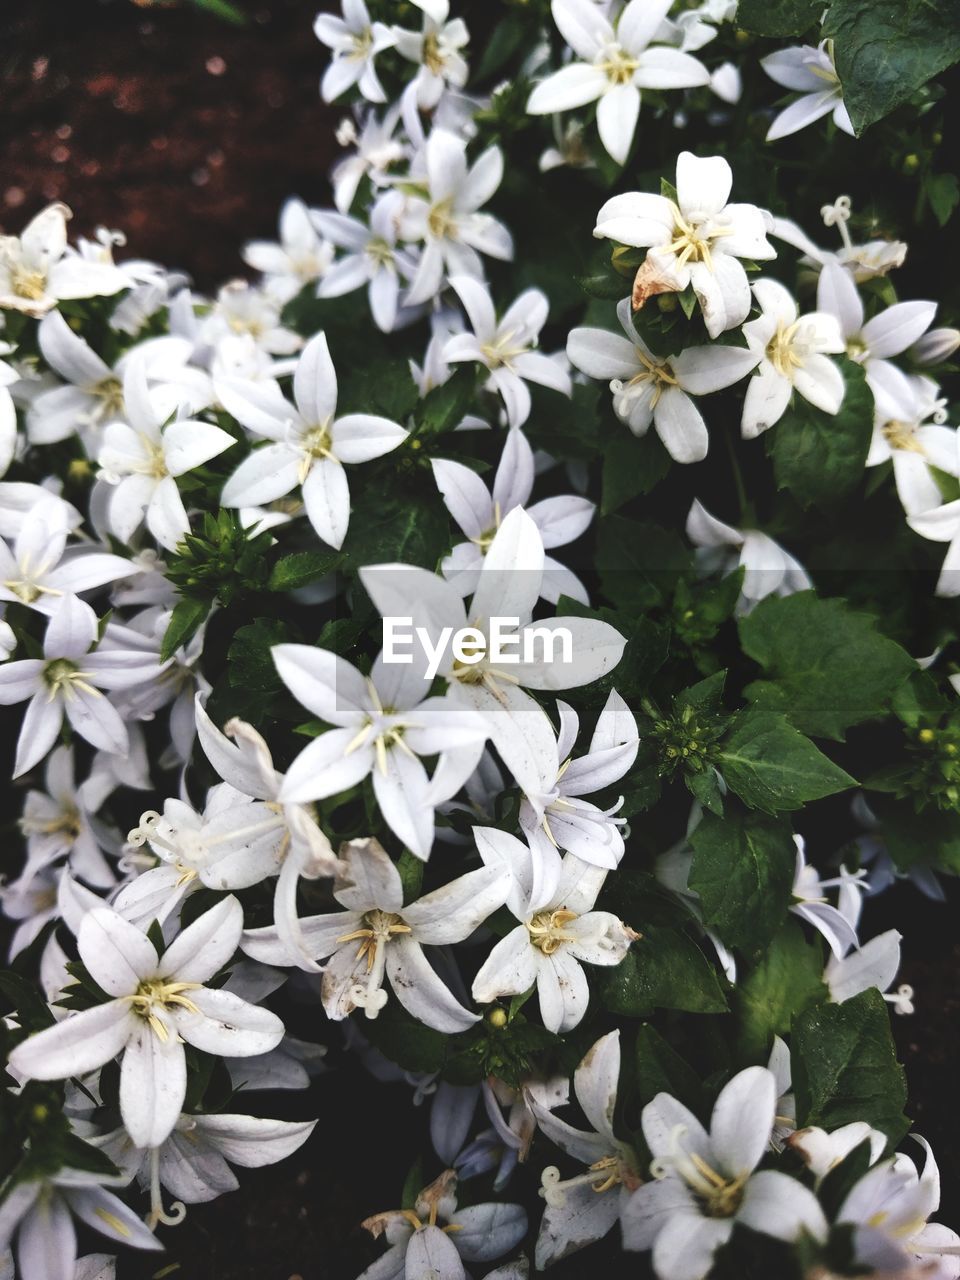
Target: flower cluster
475 872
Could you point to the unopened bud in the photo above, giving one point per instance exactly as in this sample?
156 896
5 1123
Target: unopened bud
936 346
497 1018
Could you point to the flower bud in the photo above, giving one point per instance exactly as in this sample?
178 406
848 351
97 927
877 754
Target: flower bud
936 346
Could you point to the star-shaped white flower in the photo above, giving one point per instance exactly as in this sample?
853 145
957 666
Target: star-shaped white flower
768 569
792 351
615 64
384 725
68 680
447 218
157 1003
909 430
558 933
506 347
301 257
696 241
810 72
706 1182
36 272
436 50
310 445
355 42
372 258
379 938
480 511
142 458
649 388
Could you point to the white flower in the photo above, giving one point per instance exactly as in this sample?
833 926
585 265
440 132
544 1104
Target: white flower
942 524
355 42
373 258
141 458
68 679
480 511
246 766
556 817
8 411
447 220
696 242
810 902
193 1162
40 569
888 1209
36 272
506 347
822 1151
615 64
648 388
376 150
705 1183
866 261
157 1003
583 1209
875 964
935 346
557 934
301 257
508 587
436 50
421 1247
909 430
810 72
768 568
244 308
793 353
61 822
311 445
385 723
378 937
41 1211
871 344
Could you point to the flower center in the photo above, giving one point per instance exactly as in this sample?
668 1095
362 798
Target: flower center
782 349
63 677
433 55
362 44
658 373
693 239
377 929
719 1196
546 930
440 220
31 285
66 822
110 391
316 442
159 993
379 252
601 1176
502 350
902 435
617 65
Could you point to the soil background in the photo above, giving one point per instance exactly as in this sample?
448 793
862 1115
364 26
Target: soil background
188 133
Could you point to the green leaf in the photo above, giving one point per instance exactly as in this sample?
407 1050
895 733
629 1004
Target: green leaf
886 50
943 192
410 869
185 621
845 1066
784 983
743 868
778 17
630 467
826 666
660 1069
443 407
24 998
665 969
771 766
403 532
251 665
820 457
300 568
404 1040
639 563
222 9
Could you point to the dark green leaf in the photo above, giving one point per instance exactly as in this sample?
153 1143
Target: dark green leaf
665 969
443 407
845 1066
660 1069
786 981
185 621
819 456
778 17
888 49
742 869
771 766
300 568
826 666
250 663
630 467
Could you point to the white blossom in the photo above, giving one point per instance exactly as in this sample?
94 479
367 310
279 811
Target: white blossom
301 257
614 64
768 568
36 272
648 388
355 42
157 1003
811 72
372 258
310 445
909 430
